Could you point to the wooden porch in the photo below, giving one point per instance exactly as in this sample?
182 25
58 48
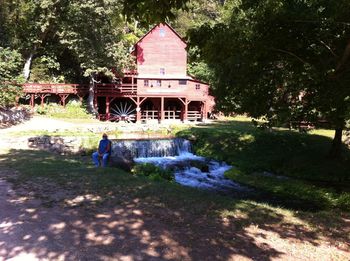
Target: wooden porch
112 92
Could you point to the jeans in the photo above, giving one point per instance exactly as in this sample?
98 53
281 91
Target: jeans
96 159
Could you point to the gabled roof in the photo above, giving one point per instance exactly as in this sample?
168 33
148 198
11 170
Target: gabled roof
166 24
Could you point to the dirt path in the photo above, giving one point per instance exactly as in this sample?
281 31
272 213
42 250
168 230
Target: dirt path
29 231
32 229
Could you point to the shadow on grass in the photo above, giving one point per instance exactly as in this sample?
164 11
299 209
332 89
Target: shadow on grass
62 208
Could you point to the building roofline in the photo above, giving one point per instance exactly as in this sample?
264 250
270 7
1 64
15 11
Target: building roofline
164 23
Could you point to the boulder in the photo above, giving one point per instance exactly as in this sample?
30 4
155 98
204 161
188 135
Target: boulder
121 163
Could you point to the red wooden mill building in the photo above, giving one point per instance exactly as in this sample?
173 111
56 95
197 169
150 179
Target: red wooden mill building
159 88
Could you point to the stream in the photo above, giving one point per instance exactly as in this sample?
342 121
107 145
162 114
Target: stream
176 155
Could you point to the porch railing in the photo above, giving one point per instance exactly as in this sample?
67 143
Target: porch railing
62 88
194 115
149 115
172 115
116 88
57 88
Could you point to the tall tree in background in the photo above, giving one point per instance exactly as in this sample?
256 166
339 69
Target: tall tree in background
152 12
92 36
283 60
93 32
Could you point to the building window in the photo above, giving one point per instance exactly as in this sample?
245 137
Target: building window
158 83
182 82
198 86
162 71
146 83
162 32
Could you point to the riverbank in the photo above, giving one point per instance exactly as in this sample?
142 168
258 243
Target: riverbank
288 166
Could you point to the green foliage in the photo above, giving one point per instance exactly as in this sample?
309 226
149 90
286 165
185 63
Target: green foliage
152 171
9 94
73 110
46 69
149 12
315 179
10 67
292 191
283 60
201 71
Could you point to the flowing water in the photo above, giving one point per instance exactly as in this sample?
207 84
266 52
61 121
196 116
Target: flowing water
176 155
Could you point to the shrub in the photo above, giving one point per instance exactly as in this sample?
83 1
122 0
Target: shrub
73 110
152 171
10 72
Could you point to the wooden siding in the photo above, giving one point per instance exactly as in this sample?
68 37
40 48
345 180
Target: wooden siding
157 50
173 88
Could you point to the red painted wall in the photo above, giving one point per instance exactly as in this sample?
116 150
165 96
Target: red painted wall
161 48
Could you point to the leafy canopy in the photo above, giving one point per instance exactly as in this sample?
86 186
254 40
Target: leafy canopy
284 60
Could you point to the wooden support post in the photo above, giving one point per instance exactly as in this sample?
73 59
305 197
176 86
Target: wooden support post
32 100
80 97
161 109
42 98
138 110
108 114
205 111
63 99
185 117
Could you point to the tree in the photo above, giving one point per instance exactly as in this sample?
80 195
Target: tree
93 32
283 60
150 12
10 67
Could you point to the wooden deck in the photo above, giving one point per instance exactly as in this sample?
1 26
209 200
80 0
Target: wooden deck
124 90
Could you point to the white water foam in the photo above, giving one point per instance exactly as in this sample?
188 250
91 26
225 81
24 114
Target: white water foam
214 179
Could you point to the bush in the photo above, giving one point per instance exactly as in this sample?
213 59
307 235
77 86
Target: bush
152 171
73 110
10 72
9 94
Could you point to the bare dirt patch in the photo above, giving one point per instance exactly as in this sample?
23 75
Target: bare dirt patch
42 220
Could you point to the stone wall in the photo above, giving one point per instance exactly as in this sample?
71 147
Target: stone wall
61 145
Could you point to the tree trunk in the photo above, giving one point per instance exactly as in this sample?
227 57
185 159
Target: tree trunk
27 65
336 149
90 100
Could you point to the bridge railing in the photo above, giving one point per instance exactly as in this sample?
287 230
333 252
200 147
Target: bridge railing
57 88
63 88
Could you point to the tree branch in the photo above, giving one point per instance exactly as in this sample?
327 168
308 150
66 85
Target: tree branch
328 48
290 53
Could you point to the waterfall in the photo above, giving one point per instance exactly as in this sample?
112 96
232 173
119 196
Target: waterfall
176 154
150 148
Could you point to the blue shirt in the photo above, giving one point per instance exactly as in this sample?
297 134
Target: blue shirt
103 146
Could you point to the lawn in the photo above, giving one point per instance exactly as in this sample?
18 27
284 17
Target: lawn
303 216
201 216
289 166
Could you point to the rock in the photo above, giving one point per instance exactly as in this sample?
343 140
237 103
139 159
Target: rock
203 166
121 163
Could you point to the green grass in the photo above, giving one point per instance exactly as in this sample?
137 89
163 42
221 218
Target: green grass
116 187
73 111
316 181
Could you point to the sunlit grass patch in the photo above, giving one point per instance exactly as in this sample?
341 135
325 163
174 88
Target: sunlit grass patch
315 181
